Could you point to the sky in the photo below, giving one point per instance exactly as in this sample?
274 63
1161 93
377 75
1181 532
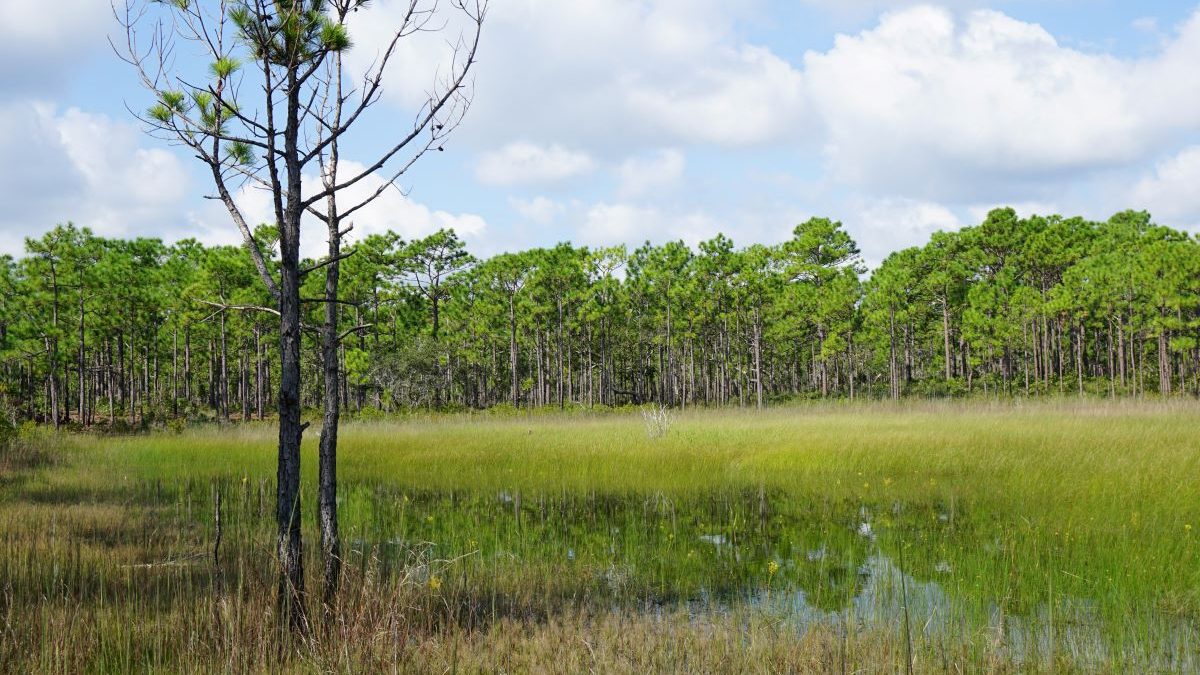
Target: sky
604 122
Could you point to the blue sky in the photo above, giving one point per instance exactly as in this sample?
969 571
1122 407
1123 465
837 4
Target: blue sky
616 121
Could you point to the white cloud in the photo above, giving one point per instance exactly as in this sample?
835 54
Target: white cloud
37 174
924 118
606 224
881 226
847 11
640 176
929 106
749 96
607 75
125 181
30 25
930 103
85 168
523 163
1026 209
1170 192
539 210
39 43
391 211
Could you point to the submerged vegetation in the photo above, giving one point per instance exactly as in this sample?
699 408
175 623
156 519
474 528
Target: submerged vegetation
1047 536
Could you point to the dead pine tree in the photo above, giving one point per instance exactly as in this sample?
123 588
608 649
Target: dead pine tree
254 90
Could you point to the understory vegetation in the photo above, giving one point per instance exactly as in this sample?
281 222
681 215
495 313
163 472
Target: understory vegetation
837 537
122 333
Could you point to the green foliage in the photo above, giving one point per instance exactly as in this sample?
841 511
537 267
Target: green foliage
225 66
358 365
240 152
334 36
161 113
1028 306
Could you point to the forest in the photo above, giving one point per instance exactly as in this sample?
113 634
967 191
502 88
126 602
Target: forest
97 331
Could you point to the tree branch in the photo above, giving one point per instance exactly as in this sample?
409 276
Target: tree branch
327 262
347 333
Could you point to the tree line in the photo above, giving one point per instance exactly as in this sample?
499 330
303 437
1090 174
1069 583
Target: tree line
126 332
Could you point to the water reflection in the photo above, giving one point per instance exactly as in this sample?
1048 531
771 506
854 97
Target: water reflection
805 561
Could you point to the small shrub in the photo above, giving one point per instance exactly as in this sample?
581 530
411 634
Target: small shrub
370 413
8 433
24 447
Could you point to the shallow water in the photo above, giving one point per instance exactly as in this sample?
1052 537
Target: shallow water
949 575
805 562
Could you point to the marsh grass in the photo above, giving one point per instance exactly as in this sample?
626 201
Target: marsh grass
1053 536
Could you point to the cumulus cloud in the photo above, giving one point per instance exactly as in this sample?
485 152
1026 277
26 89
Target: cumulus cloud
125 182
924 117
936 107
928 113
539 210
605 224
751 96
644 175
608 74
39 44
391 211
524 163
881 226
85 168
1170 190
979 212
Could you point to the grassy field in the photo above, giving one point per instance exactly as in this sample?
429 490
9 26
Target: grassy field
839 538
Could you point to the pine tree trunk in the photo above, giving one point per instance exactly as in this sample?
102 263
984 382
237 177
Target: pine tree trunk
894 376
331 546
287 508
758 383
559 355
223 374
946 337
1164 366
514 384
82 363
175 372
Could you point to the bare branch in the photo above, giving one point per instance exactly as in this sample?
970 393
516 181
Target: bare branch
349 303
327 262
429 120
348 332
224 307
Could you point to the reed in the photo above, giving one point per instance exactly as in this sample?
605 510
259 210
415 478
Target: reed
1053 536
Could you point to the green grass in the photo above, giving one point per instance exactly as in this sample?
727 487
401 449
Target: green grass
1047 536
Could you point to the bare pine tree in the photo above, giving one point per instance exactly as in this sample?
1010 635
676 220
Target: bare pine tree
269 107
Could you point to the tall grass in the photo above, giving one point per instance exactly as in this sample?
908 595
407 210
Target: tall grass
1047 536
